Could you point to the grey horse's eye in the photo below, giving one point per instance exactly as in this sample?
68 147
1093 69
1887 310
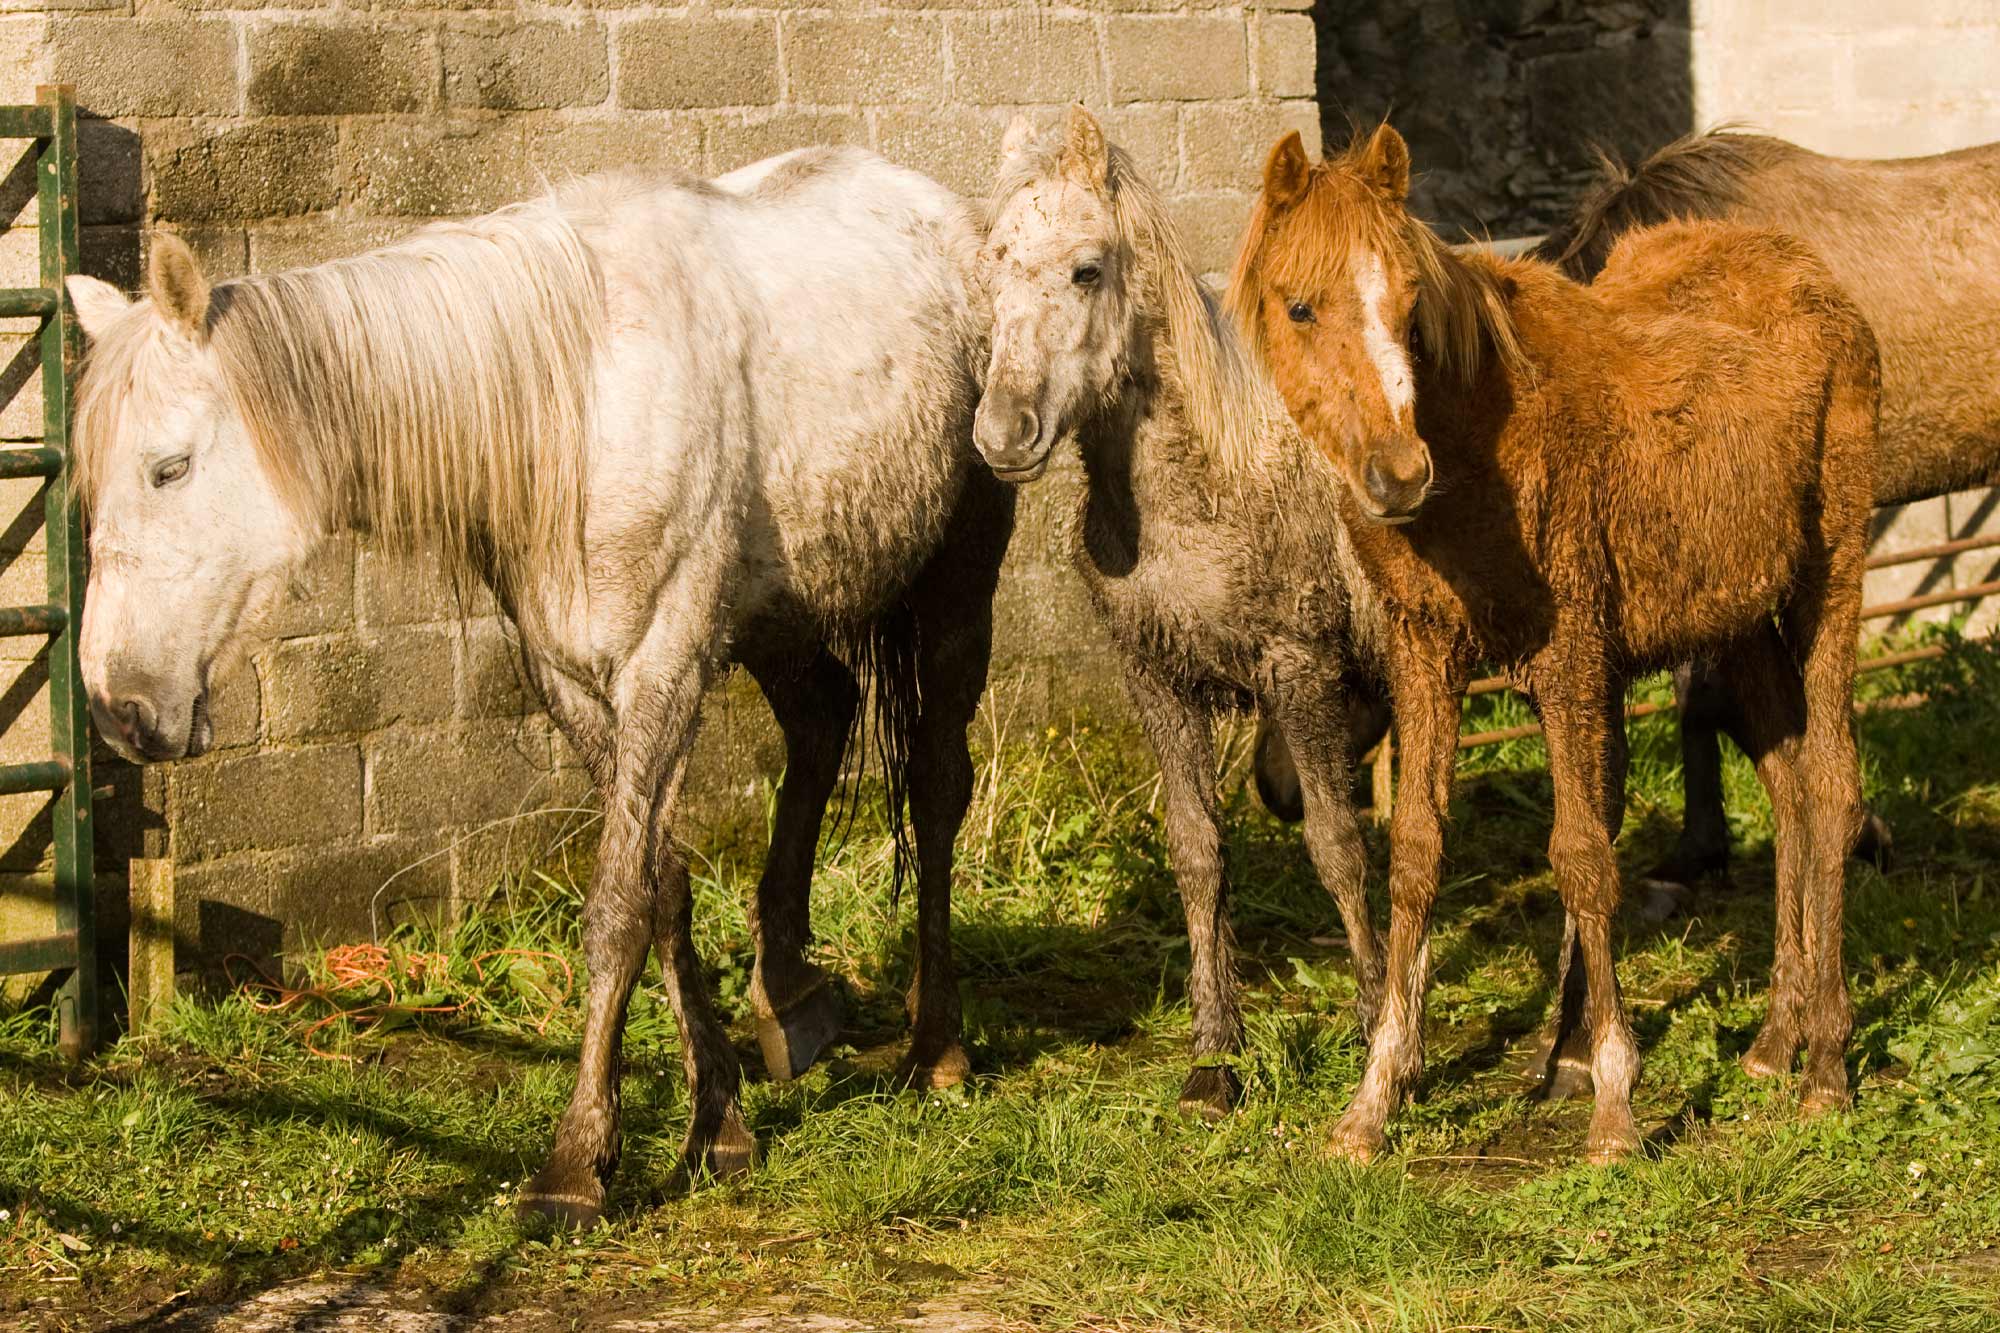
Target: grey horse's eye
171 471
1086 275
1300 312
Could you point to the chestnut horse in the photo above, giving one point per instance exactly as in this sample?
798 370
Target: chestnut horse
1585 483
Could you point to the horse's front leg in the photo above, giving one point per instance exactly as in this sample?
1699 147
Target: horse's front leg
796 1004
1426 688
1585 735
1183 742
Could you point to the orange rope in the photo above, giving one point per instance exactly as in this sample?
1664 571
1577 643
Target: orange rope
370 967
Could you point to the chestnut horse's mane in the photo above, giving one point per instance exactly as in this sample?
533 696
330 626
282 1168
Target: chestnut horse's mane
1462 299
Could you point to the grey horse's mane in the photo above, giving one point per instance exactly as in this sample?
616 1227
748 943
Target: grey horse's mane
1227 400
436 391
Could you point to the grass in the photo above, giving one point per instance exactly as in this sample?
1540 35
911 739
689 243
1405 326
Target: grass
221 1154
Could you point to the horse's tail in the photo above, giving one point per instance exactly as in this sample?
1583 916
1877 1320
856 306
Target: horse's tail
1696 176
884 658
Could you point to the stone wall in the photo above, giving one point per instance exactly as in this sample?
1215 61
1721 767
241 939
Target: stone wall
374 740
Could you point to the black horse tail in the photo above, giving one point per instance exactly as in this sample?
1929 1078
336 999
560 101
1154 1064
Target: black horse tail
883 658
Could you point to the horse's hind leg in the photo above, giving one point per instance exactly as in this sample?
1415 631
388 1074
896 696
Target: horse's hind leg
795 1003
1184 744
953 604
1313 717
1584 737
1822 622
1563 1059
1705 712
1761 676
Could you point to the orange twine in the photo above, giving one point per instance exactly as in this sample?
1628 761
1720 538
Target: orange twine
364 967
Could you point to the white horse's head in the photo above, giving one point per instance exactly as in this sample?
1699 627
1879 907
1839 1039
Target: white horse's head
188 535
1059 269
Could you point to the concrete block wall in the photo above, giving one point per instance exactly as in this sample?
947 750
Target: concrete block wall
373 739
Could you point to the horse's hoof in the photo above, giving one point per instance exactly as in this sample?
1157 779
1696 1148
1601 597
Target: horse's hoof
792 1039
732 1151
1210 1092
1354 1140
1603 1148
570 1197
947 1069
1771 1055
1823 1094
1661 900
1877 844
1569 1079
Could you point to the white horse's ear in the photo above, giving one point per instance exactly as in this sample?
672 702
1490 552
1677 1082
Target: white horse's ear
1085 158
174 281
1018 139
97 303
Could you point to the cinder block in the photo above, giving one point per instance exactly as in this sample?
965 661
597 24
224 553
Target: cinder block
513 64
109 191
320 598
481 858
24 57
401 590
896 60
737 140
426 779
345 684
1287 52
691 62
302 242
342 892
958 147
272 798
1211 225
235 704
436 168
1008 59
563 147
1152 135
257 170
492 682
1177 58
147 67
1227 143
331 69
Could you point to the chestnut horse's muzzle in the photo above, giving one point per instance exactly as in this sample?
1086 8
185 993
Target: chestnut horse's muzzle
1395 478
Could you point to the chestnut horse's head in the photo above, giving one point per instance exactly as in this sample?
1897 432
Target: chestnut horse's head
1346 297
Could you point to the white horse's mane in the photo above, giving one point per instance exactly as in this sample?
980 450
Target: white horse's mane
436 392
1228 401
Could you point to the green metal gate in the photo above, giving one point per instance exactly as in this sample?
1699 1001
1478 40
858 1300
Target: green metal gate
51 123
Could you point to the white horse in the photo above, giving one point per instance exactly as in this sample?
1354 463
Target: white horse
669 423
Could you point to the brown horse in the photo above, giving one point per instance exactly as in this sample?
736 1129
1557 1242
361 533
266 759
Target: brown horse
1584 483
1916 243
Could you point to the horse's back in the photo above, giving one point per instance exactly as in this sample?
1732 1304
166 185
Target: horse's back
863 370
1733 338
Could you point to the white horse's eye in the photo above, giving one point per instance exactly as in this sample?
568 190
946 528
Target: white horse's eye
1086 275
171 471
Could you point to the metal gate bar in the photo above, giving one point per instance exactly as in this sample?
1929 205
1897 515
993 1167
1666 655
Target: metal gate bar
51 122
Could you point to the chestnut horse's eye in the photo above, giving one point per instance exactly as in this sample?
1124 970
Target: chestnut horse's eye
1300 312
1086 275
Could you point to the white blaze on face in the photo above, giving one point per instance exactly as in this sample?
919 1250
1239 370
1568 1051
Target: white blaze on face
1391 358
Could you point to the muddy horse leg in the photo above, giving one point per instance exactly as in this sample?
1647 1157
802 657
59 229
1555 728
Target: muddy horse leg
1426 708
952 606
796 1005
1313 716
1706 711
644 754
1183 742
1563 1058
1585 736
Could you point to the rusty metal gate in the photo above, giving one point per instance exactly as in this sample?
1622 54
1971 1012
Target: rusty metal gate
51 124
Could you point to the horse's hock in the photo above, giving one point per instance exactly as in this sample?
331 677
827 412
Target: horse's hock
377 756
373 740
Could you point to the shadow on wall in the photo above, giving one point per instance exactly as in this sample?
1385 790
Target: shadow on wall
1503 101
